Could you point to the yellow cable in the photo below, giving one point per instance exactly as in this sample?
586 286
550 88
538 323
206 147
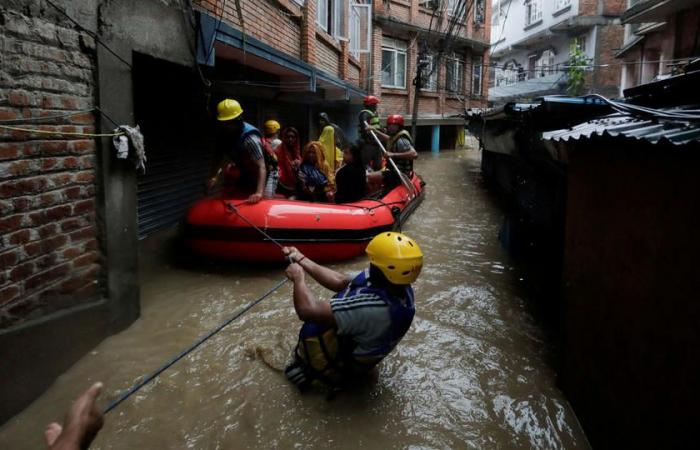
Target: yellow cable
64 133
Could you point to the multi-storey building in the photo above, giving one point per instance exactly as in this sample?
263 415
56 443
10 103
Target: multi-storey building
531 42
452 37
660 36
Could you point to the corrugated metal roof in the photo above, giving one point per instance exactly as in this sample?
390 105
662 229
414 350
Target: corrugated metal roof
677 132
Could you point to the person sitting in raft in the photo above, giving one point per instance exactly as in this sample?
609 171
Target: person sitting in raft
315 176
400 149
289 160
257 172
333 141
351 179
347 336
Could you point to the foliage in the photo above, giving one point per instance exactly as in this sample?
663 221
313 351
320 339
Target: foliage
576 73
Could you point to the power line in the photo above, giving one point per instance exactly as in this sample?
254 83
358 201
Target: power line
92 34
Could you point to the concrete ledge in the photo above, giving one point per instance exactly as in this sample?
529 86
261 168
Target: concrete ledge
45 348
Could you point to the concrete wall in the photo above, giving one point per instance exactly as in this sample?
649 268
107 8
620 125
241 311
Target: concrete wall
630 289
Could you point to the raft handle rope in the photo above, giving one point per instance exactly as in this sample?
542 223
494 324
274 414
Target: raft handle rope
187 351
409 186
231 207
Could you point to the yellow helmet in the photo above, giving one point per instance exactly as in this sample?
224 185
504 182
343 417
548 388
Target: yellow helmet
272 126
397 256
228 109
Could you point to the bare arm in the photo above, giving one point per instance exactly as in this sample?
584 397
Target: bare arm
328 278
411 154
306 305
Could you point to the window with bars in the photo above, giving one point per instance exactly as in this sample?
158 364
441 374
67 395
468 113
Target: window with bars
454 75
430 74
393 63
477 74
533 12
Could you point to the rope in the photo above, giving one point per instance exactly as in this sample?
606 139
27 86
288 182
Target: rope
187 351
61 133
234 208
40 119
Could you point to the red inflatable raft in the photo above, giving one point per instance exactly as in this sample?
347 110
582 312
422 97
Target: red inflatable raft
221 227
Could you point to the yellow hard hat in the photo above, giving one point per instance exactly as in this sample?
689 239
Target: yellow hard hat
228 109
272 126
397 256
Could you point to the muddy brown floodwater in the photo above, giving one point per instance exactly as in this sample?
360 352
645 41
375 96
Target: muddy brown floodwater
474 371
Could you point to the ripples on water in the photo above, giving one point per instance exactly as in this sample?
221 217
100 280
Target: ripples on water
471 373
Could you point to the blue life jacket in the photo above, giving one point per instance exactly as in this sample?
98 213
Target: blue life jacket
246 131
327 356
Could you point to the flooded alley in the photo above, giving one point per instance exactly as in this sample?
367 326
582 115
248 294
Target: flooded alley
474 371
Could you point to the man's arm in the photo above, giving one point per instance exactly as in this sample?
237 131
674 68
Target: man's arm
82 423
254 146
328 278
306 305
407 150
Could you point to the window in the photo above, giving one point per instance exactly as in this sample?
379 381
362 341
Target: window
581 43
507 76
561 4
393 63
430 74
322 14
477 68
454 75
332 17
533 12
360 28
531 66
545 64
479 11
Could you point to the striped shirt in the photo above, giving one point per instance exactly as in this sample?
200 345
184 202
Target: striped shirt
363 316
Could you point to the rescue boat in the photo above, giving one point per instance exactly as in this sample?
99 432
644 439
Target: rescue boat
224 227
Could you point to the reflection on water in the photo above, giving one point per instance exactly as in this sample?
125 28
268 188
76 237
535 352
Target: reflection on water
471 373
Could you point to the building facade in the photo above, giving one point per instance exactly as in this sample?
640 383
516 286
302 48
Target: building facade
659 38
531 43
452 38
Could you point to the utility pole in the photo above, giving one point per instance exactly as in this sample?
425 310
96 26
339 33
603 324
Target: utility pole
421 63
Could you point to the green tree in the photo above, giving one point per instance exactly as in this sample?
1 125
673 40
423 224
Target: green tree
576 72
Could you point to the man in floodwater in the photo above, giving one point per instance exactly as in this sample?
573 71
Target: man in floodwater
348 335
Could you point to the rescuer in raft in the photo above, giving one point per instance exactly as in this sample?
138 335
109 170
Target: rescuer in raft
243 143
399 147
347 336
371 154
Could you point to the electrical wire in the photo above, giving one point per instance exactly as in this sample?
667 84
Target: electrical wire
60 133
41 119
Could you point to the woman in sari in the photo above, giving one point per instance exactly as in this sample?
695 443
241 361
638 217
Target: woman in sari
316 180
289 160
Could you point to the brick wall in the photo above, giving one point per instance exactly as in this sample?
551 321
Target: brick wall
327 54
274 22
49 252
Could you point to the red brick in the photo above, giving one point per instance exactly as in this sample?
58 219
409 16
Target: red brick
91 244
54 243
83 119
44 278
71 253
53 147
83 206
82 146
15 188
49 163
85 177
70 163
9 293
85 260
49 199
81 235
58 212
22 271
8 258
60 180
73 192
18 98
32 250
47 230
87 292
22 203
11 223
19 237
8 114
10 150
